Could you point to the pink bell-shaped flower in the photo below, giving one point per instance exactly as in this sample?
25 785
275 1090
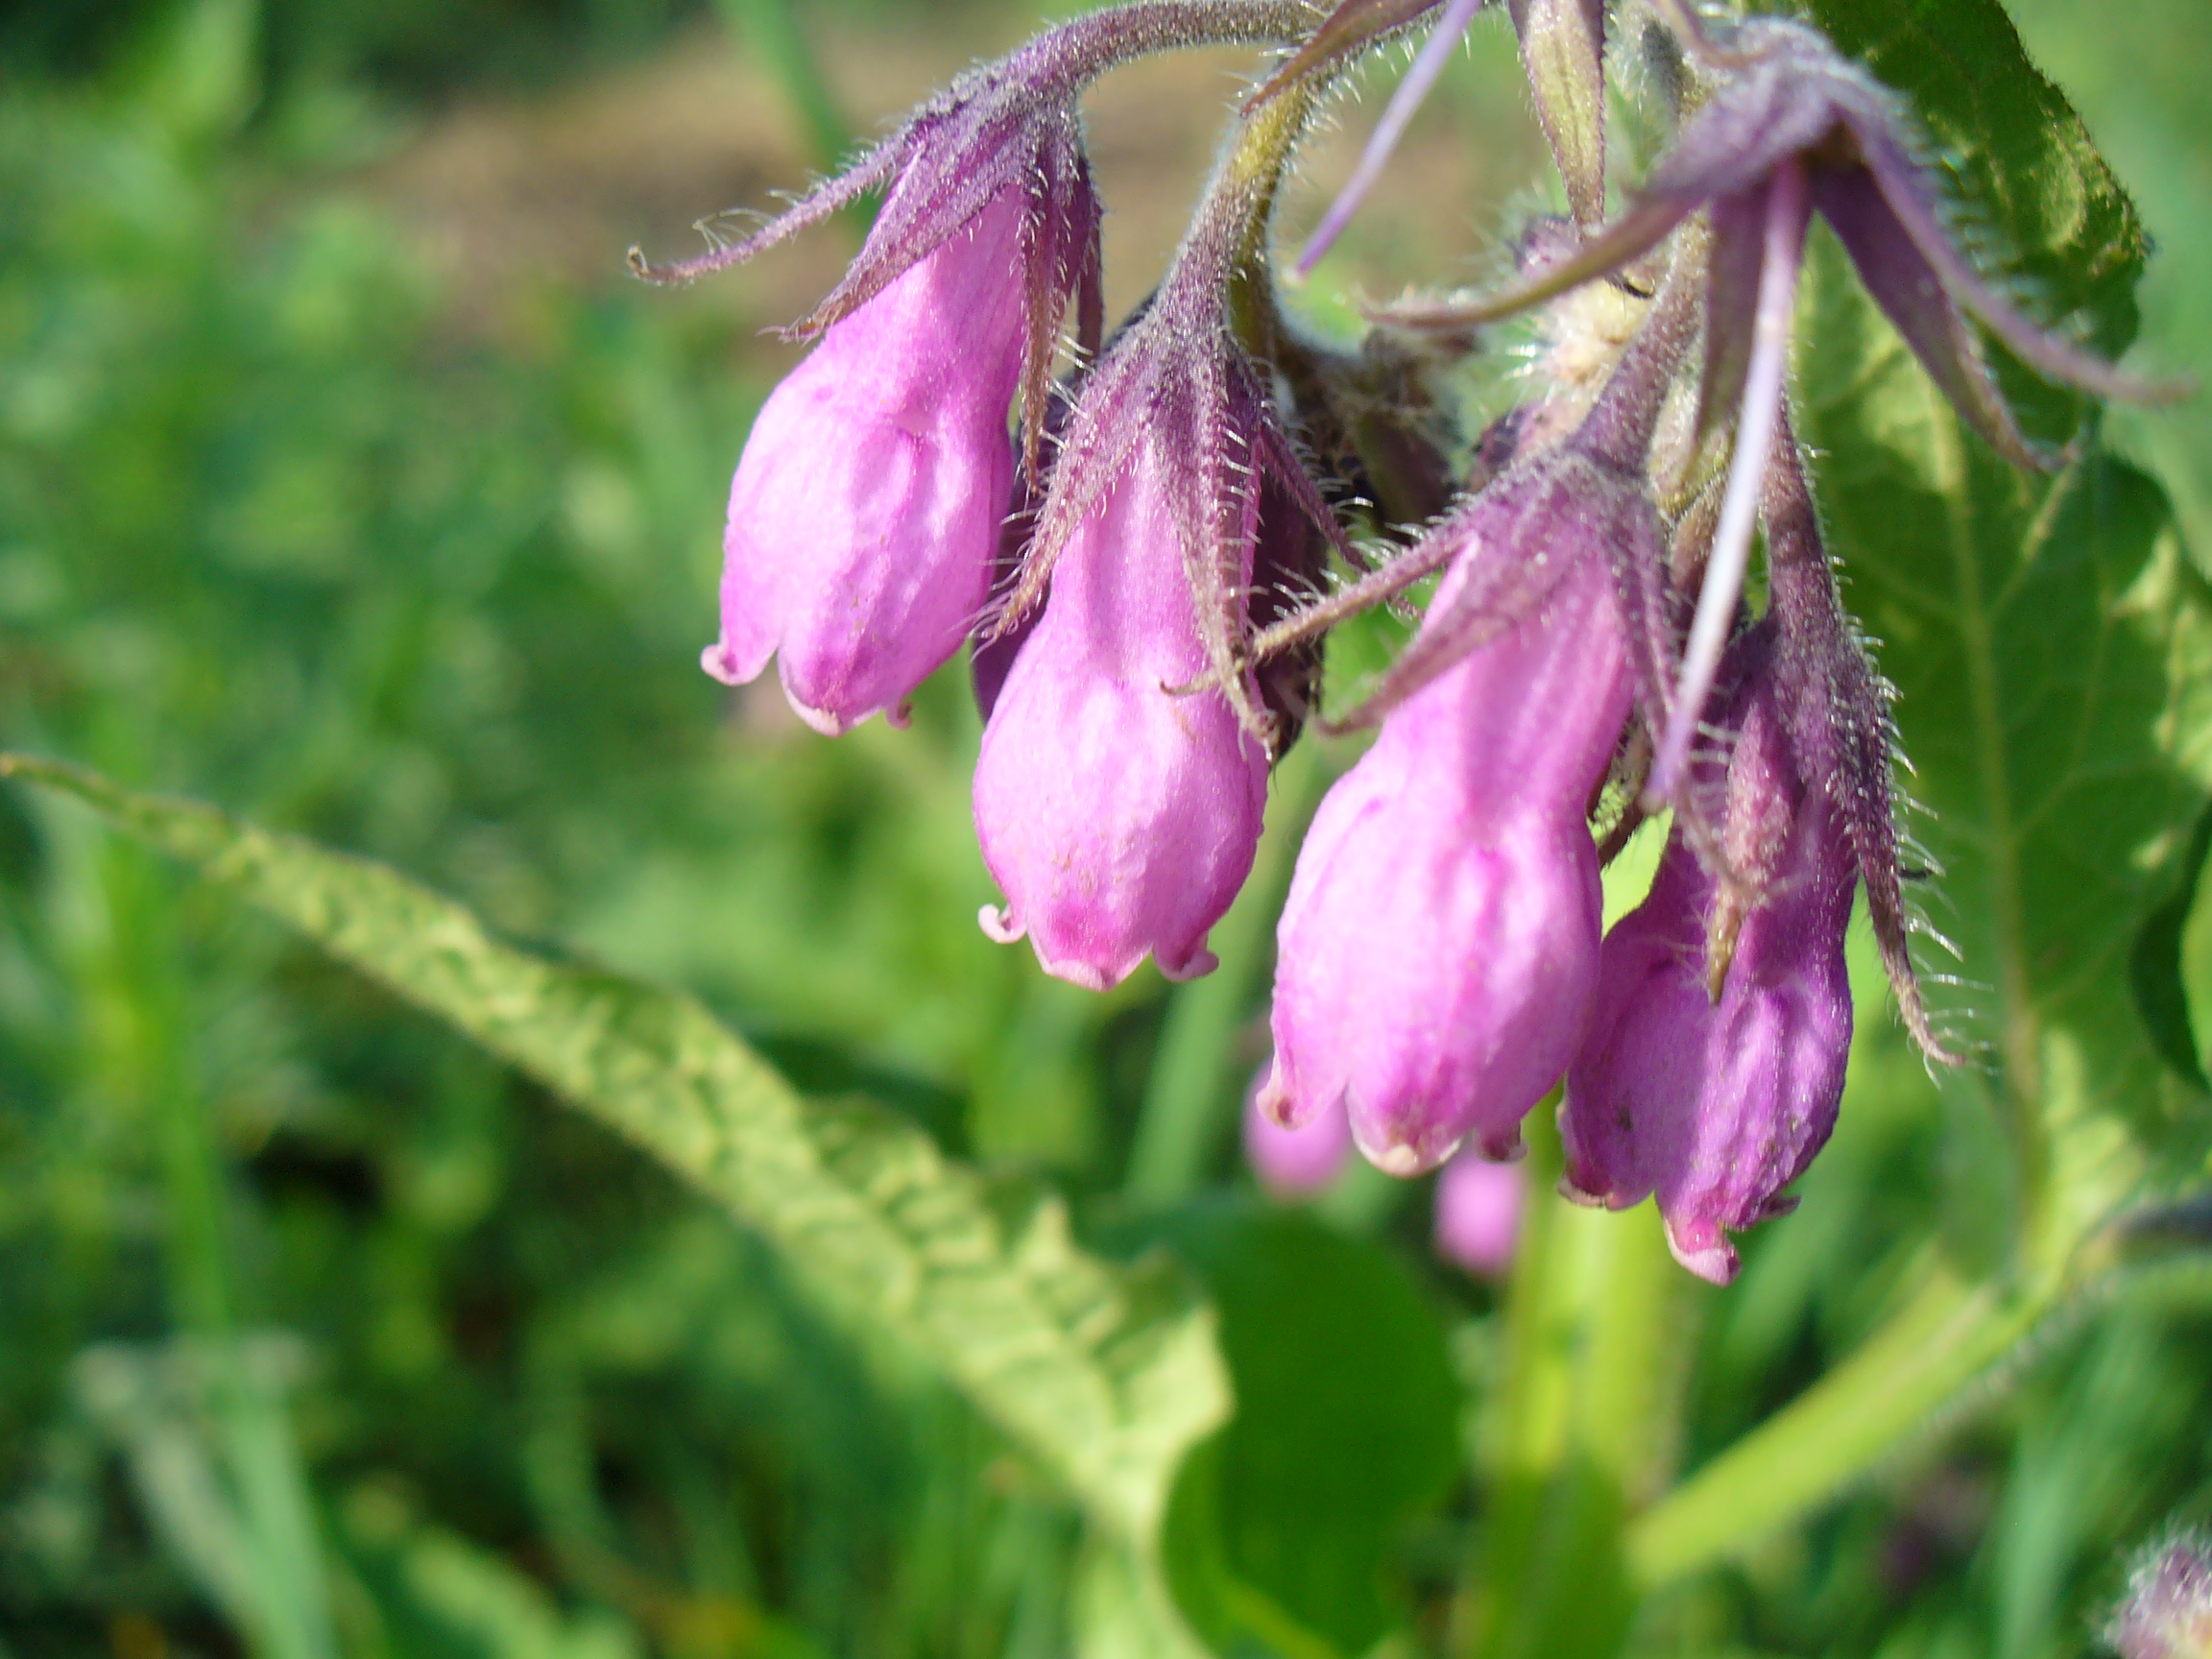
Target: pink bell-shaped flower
867 503
1441 942
1118 816
1713 1062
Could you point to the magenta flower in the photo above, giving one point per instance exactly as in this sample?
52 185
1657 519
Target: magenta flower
1117 817
865 511
1438 948
869 493
1713 1065
1441 942
1478 1218
1125 766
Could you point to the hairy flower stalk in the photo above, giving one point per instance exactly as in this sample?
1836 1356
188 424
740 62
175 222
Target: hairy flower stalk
1562 45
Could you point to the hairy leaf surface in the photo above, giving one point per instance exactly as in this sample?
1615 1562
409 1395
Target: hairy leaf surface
1104 1374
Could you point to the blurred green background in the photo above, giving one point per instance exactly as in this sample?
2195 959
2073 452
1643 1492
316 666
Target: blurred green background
346 481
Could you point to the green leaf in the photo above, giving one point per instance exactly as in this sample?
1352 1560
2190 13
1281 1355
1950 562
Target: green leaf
1284 1525
1106 1376
2034 202
2044 635
2051 649
2194 950
2169 963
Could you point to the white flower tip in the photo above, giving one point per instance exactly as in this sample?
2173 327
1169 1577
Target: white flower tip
1195 966
1715 1263
1001 926
721 664
1574 1194
824 721
1403 1159
1504 1147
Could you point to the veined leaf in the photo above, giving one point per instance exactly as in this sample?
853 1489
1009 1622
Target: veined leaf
1106 1376
2053 654
2044 635
2034 200
2049 643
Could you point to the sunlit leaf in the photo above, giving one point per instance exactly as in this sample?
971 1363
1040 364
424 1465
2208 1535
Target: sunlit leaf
1104 1374
2050 648
2040 632
2034 201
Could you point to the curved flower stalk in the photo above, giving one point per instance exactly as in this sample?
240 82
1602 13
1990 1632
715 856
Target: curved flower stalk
1790 129
865 510
1562 45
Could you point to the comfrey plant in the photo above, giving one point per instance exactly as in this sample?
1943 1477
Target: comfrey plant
1148 535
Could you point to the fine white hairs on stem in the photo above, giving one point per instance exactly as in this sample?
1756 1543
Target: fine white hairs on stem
1788 208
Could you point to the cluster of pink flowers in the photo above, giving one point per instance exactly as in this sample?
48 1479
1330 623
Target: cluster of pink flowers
1141 553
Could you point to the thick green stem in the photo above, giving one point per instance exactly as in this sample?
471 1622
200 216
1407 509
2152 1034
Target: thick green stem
1573 1437
1945 1336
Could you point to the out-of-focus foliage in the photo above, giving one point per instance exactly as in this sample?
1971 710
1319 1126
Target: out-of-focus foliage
325 1334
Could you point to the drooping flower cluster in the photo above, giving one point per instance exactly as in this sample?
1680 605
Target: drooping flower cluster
1141 553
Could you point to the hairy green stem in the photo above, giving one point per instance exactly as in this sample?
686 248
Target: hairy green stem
1936 1345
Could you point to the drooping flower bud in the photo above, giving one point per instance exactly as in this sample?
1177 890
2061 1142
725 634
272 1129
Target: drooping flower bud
1117 817
1713 1060
2167 1610
868 501
1440 941
1123 771
1477 1220
865 510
